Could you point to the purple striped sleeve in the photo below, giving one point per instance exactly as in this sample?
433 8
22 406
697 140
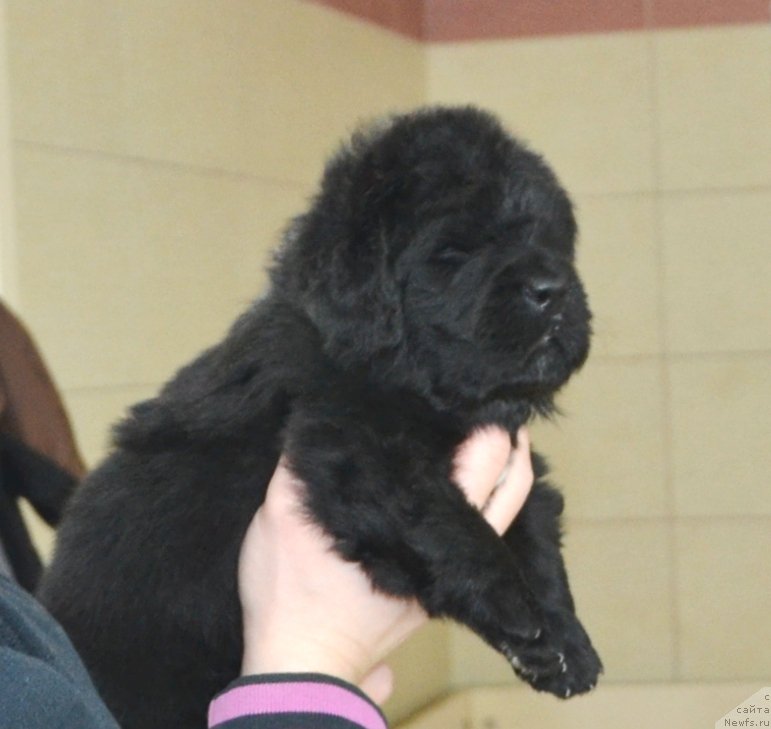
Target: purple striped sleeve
296 694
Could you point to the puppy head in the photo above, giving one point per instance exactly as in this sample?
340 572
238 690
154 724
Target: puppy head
438 257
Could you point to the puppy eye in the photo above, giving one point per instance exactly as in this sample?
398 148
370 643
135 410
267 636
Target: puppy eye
450 256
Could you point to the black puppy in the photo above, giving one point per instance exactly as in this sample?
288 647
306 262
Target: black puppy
429 290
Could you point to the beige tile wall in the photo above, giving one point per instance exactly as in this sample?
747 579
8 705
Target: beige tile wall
160 147
713 105
632 706
664 452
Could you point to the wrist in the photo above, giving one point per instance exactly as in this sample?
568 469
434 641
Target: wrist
294 652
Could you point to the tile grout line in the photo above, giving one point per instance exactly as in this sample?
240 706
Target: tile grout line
610 358
600 521
171 165
214 171
102 389
739 189
670 522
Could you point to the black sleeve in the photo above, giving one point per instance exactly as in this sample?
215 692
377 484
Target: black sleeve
43 684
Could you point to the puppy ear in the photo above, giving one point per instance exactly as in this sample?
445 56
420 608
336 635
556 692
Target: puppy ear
337 267
359 299
337 259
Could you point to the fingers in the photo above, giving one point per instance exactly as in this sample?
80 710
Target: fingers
479 463
285 489
495 478
508 498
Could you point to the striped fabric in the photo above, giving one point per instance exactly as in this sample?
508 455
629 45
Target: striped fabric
296 701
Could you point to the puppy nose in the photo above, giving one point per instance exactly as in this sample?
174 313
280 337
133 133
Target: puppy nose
544 288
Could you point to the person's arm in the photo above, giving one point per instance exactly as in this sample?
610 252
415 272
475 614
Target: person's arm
43 683
315 632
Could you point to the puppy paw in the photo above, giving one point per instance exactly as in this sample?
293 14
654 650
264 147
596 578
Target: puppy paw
561 660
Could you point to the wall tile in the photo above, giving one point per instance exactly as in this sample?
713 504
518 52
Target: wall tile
335 73
183 75
721 434
131 255
75 255
723 599
474 663
715 248
206 242
618 259
60 93
583 102
607 451
422 666
713 106
450 712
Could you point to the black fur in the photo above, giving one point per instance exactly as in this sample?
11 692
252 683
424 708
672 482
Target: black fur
429 289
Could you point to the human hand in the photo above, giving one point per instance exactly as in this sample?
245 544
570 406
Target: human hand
305 609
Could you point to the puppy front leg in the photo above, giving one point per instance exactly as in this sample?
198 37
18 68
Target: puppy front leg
534 539
415 534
